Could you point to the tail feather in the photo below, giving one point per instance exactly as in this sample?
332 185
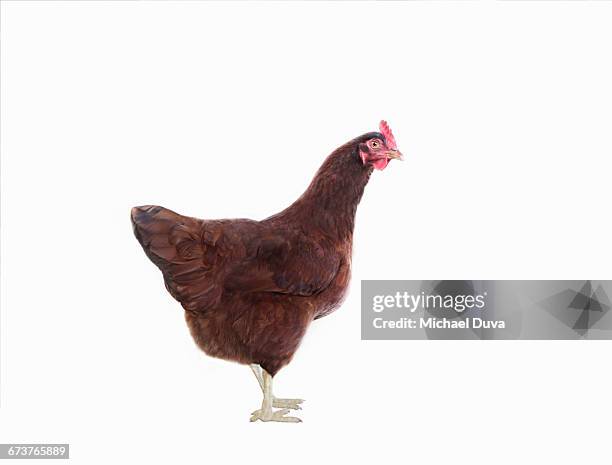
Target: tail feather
153 227
173 243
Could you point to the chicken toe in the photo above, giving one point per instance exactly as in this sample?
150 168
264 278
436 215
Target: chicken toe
293 404
274 415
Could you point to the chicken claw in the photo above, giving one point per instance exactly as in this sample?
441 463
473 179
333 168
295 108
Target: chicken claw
287 403
271 415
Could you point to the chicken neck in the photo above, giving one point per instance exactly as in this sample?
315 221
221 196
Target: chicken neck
330 202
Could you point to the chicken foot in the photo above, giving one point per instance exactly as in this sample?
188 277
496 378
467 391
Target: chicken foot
265 413
276 402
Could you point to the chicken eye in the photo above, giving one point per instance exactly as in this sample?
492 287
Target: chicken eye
375 144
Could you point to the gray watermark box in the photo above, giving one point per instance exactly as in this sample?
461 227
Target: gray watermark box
34 451
456 309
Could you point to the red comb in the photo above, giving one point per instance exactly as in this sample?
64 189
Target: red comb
385 130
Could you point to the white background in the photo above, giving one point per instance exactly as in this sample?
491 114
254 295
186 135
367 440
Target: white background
503 111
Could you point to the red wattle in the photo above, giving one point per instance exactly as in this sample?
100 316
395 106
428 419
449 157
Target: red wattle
381 163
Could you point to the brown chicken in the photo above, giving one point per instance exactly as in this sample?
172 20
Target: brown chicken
250 289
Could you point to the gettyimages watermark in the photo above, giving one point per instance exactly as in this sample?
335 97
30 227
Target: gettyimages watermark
486 310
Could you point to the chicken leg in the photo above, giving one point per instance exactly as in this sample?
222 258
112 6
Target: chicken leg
278 403
265 413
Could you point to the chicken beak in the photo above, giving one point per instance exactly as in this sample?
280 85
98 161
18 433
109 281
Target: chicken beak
394 155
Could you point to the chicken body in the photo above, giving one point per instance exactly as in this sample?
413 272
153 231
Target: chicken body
250 289
246 286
